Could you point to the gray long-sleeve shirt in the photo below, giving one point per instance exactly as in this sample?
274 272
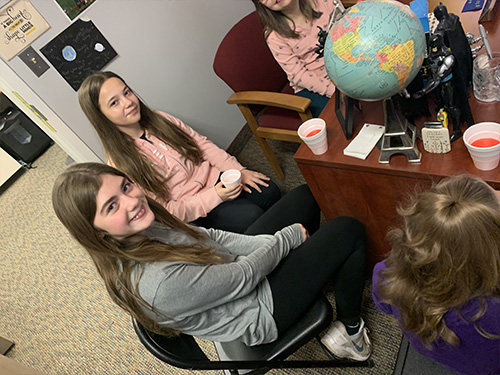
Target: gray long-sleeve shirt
219 302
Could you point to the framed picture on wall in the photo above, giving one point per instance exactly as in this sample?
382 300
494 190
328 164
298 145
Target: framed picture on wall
74 8
78 51
21 24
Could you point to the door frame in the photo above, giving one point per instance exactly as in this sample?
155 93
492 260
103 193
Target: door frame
52 125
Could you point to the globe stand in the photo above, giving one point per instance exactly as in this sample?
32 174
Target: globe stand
399 136
344 107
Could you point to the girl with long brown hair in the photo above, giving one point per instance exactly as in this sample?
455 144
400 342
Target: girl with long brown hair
291 31
170 161
441 279
173 277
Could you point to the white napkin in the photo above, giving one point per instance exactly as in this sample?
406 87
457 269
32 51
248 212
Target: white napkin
361 146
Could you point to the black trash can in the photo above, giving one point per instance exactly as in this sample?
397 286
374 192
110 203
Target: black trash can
20 137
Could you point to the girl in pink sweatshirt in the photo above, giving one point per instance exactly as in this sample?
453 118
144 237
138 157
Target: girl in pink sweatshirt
291 31
170 161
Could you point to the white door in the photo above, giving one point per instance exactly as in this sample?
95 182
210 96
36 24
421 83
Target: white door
36 109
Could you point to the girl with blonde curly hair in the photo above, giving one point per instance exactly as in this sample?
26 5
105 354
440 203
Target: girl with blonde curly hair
441 279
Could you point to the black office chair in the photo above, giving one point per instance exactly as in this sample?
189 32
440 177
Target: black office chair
184 352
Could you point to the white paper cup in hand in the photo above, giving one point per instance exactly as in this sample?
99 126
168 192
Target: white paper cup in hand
231 177
313 134
484 158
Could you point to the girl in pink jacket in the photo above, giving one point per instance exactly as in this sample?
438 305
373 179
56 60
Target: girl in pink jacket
170 161
291 32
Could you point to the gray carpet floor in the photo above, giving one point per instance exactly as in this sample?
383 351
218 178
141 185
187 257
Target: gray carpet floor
54 305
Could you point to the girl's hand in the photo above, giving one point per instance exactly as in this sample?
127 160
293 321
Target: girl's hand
305 233
228 193
253 179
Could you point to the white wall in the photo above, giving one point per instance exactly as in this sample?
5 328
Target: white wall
165 53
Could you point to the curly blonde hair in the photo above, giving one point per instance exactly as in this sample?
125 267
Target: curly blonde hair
446 253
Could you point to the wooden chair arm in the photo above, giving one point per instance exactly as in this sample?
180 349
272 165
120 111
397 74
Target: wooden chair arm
274 99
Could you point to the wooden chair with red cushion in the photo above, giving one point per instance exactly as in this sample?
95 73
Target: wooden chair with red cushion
261 89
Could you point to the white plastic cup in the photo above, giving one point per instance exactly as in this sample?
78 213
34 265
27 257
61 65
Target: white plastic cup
318 142
231 177
484 158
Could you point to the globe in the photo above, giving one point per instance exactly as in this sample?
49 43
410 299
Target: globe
375 50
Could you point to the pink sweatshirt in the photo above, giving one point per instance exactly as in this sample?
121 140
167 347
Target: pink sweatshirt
297 57
191 187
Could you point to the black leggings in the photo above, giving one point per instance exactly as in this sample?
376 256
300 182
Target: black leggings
297 206
237 215
334 252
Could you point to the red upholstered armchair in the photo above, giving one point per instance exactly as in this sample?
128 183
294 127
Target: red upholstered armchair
260 86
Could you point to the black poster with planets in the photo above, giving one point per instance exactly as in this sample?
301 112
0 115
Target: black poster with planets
79 51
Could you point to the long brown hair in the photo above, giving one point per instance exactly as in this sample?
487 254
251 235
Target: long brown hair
278 22
119 262
446 253
120 147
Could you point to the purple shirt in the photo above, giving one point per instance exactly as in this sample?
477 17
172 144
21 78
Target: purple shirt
475 354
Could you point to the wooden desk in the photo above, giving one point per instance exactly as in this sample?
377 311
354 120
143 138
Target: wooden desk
371 191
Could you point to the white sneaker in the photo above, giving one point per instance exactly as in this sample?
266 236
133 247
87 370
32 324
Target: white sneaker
357 347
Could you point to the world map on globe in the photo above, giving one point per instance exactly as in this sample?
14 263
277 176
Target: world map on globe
375 50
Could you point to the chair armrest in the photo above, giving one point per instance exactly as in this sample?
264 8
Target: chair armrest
274 99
